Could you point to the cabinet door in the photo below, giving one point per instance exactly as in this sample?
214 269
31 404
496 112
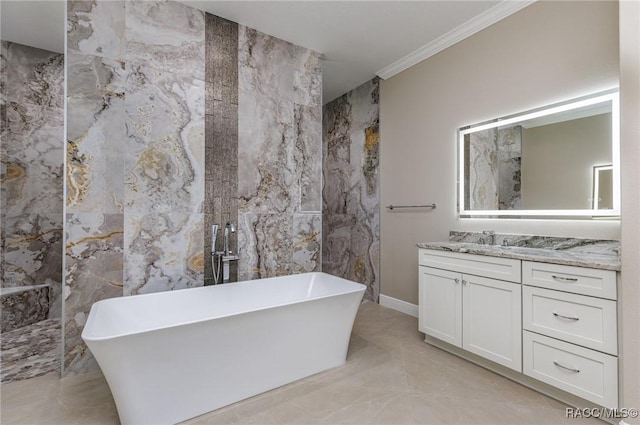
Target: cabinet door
440 304
492 320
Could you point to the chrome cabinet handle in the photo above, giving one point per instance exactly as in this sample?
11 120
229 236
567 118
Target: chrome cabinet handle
566 279
570 369
562 316
456 280
464 282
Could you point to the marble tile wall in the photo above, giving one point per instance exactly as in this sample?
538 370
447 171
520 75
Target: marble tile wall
351 195
135 155
30 351
32 160
3 153
164 160
31 204
509 160
96 137
145 80
24 307
279 157
493 179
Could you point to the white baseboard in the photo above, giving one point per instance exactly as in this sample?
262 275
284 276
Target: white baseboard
399 305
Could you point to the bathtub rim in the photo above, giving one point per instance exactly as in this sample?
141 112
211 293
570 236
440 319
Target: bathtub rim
359 287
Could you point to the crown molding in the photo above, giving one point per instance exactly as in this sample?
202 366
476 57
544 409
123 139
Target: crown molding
476 24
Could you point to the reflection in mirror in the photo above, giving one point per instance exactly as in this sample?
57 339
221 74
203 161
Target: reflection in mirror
603 187
31 186
542 162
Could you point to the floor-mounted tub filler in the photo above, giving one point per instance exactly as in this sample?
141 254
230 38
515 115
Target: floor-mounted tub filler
175 355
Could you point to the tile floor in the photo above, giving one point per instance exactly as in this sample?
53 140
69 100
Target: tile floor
391 377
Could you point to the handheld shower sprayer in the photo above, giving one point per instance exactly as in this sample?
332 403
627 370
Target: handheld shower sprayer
214 237
229 227
215 267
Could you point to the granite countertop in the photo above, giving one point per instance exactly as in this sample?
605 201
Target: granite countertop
570 257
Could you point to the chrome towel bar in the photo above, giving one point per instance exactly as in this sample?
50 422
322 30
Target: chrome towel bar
392 207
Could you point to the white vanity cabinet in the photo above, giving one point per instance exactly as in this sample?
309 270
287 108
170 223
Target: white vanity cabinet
462 303
555 324
440 304
570 330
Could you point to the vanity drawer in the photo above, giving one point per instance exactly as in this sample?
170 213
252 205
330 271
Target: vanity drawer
579 280
479 265
580 371
587 321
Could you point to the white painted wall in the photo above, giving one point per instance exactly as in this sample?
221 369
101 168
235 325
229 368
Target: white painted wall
558 160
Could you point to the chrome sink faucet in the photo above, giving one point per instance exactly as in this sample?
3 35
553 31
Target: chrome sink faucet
491 234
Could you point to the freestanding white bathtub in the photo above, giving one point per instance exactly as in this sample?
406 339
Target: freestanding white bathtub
174 355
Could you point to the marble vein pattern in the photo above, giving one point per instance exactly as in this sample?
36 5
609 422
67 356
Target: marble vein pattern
494 171
594 253
351 221
308 139
509 168
94 270
33 129
136 97
483 182
279 156
164 156
96 137
164 181
33 255
31 139
163 252
95 134
166 34
31 351
32 161
24 307
282 244
164 162
96 28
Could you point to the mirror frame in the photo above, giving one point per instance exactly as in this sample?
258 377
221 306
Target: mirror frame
611 96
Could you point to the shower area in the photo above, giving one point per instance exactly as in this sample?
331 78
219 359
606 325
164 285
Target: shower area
31 209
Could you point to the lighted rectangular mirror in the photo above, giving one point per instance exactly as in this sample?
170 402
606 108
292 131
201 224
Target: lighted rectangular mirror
561 160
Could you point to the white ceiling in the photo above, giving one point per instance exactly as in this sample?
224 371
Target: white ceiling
358 39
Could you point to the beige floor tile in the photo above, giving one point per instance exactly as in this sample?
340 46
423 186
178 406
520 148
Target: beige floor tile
367 406
23 401
503 412
434 409
391 377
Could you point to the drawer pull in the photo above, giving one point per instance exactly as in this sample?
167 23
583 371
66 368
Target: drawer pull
565 279
562 316
570 369
456 280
